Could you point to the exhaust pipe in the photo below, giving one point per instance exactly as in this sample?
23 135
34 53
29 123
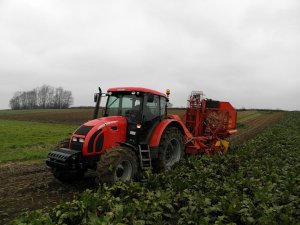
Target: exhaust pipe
97 99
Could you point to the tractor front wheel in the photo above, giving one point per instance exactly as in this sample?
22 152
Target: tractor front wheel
117 164
171 149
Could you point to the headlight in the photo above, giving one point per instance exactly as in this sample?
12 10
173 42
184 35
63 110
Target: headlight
81 140
74 139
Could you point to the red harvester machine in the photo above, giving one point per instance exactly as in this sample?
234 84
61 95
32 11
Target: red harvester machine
136 133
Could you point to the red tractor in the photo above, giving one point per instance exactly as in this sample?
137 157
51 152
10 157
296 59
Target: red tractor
136 133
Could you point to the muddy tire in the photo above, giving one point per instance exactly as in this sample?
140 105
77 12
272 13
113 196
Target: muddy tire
171 149
117 164
66 176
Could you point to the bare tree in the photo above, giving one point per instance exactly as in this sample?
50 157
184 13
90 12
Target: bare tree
67 99
15 102
58 97
31 99
44 97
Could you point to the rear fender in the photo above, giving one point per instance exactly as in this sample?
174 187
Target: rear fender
174 121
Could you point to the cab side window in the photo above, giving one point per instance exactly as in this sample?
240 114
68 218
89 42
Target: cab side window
151 107
163 103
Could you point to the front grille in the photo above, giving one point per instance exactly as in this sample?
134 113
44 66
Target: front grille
76 145
60 155
64 158
83 130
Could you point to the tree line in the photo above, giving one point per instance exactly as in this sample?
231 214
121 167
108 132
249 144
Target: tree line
45 97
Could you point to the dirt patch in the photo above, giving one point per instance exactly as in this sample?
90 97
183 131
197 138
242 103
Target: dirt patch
253 125
30 186
64 116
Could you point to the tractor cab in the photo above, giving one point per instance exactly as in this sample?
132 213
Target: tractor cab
143 109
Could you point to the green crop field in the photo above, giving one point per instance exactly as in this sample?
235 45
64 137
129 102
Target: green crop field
23 140
255 183
243 115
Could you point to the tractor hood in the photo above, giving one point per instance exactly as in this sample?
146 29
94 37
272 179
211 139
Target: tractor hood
97 135
106 121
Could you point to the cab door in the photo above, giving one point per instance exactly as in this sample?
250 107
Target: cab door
132 108
151 116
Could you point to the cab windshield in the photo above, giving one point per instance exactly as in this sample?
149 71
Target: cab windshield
127 105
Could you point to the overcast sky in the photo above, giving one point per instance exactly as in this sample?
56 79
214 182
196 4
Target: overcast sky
246 52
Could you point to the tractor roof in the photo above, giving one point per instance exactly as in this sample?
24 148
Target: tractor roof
140 89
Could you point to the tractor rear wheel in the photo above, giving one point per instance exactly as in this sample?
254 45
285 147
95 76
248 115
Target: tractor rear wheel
117 164
171 149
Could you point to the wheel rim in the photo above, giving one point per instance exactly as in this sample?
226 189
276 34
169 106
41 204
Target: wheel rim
173 152
123 171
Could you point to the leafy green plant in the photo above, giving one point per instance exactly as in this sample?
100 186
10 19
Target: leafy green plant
255 183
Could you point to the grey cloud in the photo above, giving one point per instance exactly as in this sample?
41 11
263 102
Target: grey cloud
240 51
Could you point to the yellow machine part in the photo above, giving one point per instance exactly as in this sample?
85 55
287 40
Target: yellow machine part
223 143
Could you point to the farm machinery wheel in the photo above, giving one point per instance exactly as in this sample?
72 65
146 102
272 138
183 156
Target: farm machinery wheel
171 149
116 164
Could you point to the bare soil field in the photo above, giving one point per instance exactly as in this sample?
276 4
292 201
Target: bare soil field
27 186
251 126
63 116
